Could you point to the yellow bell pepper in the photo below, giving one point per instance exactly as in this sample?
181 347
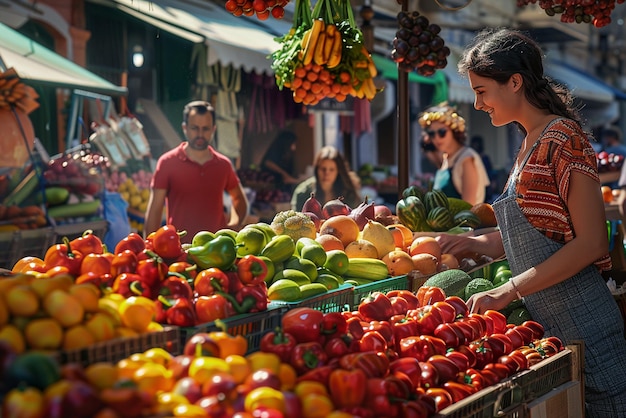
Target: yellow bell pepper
261 360
264 397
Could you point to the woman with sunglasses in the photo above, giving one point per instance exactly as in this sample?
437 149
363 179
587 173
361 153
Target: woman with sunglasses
551 218
462 173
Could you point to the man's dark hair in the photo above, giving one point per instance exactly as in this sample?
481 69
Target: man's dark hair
201 107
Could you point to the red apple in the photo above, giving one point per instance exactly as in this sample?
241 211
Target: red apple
382 210
221 385
189 388
180 365
201 344
263 377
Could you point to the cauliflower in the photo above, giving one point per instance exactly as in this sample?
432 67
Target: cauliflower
295 224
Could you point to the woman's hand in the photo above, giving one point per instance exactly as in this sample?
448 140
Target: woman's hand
458 245
497 298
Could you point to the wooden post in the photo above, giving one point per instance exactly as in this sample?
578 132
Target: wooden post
403 124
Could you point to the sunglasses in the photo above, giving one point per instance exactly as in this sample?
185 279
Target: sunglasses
441 132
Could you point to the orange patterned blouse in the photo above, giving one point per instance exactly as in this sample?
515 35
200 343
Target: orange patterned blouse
543 184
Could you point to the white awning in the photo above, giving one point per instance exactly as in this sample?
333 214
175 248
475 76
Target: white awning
42 66
231 40
582 86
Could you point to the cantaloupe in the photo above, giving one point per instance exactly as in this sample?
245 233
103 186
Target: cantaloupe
452 282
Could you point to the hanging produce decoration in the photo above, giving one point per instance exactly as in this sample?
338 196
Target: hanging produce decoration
262 8
418 46
17 100
596 12
323 55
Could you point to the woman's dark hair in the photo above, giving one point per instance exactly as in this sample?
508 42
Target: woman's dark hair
344 186
284 139
499 53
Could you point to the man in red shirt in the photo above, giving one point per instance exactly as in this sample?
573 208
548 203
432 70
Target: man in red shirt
190 181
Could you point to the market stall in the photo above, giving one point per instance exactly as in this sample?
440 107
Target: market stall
351 312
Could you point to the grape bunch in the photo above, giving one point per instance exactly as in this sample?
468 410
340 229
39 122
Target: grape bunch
596 12
418 46
262 8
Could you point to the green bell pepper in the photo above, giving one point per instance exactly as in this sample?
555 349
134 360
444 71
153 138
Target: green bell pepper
220 252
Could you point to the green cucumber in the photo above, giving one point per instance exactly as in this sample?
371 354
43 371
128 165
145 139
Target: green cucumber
74 209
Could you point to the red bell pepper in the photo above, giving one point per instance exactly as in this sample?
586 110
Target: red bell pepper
252 298
176 287
333 325
98 264
153 269
203 285
63 255
376 307
303 323
441 396
124 262
131 284
459 305
180 311
399 305
347 387
430 376
373 363
399 386
458 390
133 242
447 332
414 409
251 269
459 358
87 243
373 341
186 269
308 356
421 347
500 369
376 398
402 327
278 342
483 353
354 327
336 347
407 295
427 295
210 308
471 377
384 328
166 242
319 374
427 317
410 367
446 368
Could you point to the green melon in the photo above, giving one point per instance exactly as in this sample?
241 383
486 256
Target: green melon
452 282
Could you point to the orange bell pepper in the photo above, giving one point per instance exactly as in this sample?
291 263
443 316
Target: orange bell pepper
229 344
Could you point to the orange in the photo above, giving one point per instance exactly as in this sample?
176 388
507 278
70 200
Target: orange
449 260
330 242
607 194
343 227
485 213
425 244
425 263
398 262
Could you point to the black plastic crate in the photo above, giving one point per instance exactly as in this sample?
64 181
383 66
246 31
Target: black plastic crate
253 326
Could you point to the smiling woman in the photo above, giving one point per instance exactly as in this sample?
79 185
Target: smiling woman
462 173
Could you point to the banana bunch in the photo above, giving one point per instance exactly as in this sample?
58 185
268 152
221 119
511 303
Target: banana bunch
15 93
322 45
366 88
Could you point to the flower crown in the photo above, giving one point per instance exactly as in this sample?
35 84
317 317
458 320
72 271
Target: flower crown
445 114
